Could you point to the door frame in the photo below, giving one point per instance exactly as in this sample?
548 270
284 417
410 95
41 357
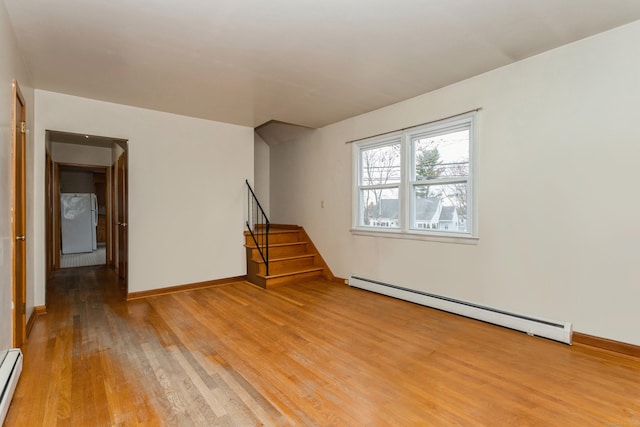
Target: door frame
121 218
19 216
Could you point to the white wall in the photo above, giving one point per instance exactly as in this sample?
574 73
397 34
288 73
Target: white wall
81 154
558 161
76 182
186 188
11 67
261 172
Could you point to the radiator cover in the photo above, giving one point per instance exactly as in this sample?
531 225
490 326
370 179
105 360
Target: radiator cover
532 326
10 369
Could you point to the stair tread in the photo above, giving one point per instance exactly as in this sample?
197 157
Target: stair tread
291 272
277 245
275 230
287 258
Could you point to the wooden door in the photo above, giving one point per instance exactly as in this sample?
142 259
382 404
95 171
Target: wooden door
108 216
19 217
122 208
114 215
55 212
48 186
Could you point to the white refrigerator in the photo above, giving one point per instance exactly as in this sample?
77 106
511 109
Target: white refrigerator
78 222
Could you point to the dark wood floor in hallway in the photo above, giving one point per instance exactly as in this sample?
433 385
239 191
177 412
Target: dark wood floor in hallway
313 354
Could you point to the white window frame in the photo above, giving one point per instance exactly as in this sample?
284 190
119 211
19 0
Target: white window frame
407 185
388 140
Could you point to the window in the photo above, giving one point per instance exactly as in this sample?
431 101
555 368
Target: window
418 181
380 184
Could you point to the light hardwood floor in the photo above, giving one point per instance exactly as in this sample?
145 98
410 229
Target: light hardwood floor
313 354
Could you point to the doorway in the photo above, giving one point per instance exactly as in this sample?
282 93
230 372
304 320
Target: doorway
84 214
81 178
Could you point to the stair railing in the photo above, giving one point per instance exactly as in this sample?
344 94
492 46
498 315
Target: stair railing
258 225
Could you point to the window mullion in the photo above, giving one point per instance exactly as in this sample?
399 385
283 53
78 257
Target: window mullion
379 186
405 191
440 181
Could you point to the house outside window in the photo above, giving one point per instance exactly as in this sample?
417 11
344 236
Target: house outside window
418 181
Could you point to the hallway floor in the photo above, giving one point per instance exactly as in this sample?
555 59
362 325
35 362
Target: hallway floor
85 259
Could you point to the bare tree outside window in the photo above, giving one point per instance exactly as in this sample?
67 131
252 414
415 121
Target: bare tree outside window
380 167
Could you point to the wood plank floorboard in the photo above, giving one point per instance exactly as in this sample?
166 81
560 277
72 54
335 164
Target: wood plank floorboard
311 354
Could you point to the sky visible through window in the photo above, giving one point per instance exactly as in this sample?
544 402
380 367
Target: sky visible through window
452 151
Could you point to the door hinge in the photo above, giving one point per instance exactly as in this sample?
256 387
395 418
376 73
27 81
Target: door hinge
23 127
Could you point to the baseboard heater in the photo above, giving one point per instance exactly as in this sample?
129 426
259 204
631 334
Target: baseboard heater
543 328
10 369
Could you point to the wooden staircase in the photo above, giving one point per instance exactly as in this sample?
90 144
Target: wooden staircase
292 258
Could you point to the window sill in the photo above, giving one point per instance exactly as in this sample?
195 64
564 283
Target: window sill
411 235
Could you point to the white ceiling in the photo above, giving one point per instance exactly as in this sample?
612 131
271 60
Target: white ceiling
306 62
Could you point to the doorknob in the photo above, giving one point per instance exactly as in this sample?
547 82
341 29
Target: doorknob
20 238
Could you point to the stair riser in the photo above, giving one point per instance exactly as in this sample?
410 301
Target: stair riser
283 251
278 252
274 237
287 280
278 267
